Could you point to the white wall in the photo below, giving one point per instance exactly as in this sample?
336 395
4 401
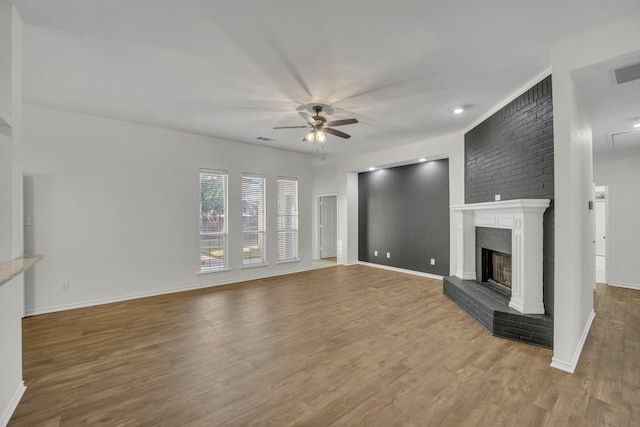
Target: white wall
115 207
574 259
340 177
11 293
620 172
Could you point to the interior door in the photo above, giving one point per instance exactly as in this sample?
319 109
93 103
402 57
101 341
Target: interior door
600 213
328 226
601 247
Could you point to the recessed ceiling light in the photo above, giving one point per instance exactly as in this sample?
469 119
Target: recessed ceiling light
372 168
637 125
422 160
458 110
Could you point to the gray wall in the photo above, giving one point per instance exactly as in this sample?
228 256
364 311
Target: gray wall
511 154
405 211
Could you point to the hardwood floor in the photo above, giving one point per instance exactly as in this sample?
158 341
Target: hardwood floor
339 346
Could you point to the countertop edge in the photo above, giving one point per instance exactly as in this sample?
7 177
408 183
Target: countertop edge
12 268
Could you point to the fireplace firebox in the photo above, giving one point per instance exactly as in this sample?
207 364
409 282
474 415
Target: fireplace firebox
496 270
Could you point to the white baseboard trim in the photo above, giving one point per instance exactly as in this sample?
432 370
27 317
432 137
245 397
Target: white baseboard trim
625 285
401 270
102 301
571 366
13 404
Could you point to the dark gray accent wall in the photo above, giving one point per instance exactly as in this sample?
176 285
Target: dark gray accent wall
511 154
405 211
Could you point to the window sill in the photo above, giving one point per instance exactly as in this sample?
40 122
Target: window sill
287 261
257 264
212 271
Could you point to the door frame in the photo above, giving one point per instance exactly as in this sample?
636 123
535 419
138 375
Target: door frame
319 230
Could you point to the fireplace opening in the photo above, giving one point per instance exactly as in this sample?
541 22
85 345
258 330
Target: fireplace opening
496 270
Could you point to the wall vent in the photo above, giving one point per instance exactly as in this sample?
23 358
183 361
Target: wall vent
264 138
627 73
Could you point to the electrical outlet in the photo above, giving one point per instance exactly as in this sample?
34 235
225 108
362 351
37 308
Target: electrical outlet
65 286
388 254
375 253
433 261
497 197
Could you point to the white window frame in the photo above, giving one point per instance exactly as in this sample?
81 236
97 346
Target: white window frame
224 266
261 231
293 229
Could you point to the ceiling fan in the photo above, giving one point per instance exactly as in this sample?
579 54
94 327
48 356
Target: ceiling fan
319 126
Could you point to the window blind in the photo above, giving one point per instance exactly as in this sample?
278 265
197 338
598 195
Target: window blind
213 224
287 219
253 219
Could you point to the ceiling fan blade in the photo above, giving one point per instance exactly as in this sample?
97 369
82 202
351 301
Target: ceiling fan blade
337 133
308 118
342 122
291 127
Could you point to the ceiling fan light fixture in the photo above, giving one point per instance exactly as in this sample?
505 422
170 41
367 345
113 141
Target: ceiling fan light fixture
321 137
310 136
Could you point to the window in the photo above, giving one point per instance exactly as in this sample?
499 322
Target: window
213 223
252 220
287 219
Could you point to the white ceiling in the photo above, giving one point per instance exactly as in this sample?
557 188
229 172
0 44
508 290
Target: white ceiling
613 108
235 69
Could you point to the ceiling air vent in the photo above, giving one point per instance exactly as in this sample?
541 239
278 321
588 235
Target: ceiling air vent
264 138
626 140
628 73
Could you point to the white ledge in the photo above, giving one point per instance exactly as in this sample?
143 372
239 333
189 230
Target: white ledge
10 269
504 204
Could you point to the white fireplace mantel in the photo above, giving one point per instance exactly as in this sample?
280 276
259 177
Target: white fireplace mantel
524 218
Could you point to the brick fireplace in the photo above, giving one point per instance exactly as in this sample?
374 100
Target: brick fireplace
524 218
510 155
520 314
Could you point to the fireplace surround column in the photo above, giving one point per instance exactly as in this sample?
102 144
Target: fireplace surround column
466 245
524 218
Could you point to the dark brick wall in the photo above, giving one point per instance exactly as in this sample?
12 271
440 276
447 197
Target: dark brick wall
496 239
405 211
511 154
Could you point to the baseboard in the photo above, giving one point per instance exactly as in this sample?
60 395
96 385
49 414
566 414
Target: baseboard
13 404
625 285
401 270
122 298
571 366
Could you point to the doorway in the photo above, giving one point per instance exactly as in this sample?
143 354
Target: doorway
601 199
328 227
